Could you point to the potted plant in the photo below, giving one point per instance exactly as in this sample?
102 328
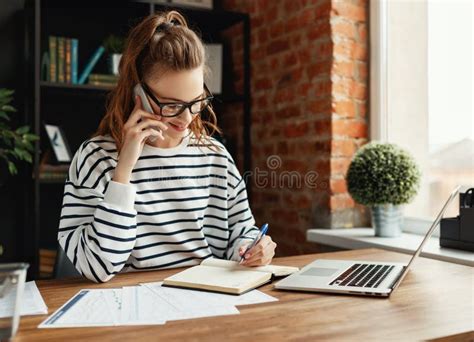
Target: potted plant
383 177
114 46
15 144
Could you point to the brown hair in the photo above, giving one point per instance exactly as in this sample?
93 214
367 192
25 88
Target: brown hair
161 42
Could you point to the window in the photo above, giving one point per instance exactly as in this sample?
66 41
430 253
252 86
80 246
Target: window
421 92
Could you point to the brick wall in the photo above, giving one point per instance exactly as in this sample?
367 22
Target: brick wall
309 91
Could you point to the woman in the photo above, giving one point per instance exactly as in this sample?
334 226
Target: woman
154 190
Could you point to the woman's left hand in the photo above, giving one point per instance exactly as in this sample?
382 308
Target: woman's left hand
260 254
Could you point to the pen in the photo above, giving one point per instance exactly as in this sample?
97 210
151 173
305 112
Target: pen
261 234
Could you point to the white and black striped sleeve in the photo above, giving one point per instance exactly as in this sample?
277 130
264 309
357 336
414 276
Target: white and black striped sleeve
240 219
97 228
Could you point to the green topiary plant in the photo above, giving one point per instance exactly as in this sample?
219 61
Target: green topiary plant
383 173
15 144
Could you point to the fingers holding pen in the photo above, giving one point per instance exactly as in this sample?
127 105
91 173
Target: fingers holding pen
261 254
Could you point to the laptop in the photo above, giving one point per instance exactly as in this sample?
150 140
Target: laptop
367 278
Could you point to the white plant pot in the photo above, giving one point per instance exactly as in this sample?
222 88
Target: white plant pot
387 220
114 61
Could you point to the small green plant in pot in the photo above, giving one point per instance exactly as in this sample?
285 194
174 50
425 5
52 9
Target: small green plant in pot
114 46
383 177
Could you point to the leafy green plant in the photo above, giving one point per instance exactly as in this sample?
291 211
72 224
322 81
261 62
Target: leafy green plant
114 44
383 173
15 144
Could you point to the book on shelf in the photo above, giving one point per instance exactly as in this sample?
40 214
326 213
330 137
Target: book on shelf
63 60
67 71
74 59
103 80
91 64
53 77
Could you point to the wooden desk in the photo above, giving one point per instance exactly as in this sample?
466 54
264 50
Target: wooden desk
435 300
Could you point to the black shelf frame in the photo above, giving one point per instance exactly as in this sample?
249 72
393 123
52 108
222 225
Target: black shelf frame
204 21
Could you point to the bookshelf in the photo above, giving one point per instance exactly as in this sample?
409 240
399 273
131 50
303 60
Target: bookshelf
78 108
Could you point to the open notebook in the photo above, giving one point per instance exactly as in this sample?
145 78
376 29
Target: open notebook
226 276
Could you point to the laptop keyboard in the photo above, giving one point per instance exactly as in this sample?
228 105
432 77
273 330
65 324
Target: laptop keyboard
363 275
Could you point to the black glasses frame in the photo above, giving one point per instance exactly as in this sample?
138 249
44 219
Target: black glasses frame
185 105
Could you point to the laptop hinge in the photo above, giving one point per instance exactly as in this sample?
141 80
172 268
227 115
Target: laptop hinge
397 278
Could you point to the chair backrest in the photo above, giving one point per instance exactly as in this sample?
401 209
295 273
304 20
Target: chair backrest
63 268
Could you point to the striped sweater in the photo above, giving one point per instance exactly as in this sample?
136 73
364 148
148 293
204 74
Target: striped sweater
183 204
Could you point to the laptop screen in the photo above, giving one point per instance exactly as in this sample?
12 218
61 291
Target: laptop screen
427 236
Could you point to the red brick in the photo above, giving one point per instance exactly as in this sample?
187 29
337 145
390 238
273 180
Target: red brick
283 95
295 165
256 21
318 69
362 31
290 59
270 14
343 148
291 6
338 186
306 16
362 109
262 35
292 24
324 49
303 89
349 128
288 112
322 127
294 130
276 30
319 106
359 91
339 166
282 148
360 52
344 108
362 71
344 29
323 10
345 48
343 68
263 84
278 46
342 201
323 88
349 11
318 30
304 55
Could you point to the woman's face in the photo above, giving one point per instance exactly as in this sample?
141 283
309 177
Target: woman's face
182 86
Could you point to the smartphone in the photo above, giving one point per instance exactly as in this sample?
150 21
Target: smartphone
138 90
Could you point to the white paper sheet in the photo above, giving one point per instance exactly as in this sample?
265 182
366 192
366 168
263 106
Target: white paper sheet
32 302
87 308
191 301
140 306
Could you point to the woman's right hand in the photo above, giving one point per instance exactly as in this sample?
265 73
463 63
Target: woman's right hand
139 127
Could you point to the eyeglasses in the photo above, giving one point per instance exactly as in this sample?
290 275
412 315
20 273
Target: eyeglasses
171 109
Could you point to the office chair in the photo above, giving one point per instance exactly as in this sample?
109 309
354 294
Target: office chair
63 267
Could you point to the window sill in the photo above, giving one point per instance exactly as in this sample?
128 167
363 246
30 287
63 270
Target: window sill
356 238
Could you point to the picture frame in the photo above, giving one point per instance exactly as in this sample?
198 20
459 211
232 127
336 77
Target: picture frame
58 143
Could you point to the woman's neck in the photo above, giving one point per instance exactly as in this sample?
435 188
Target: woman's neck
167 143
